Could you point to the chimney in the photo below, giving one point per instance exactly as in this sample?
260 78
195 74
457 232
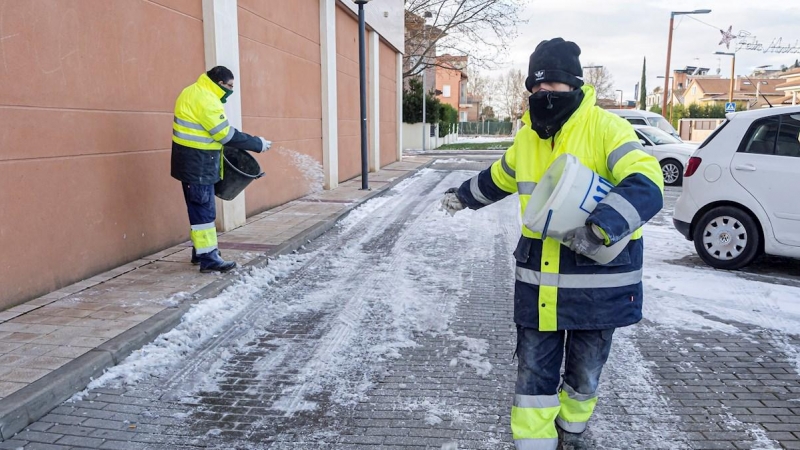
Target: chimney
738 85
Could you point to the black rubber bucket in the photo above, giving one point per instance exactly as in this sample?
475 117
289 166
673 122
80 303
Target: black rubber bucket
239 169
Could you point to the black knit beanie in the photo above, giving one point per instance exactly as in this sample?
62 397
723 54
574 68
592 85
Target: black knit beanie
555 60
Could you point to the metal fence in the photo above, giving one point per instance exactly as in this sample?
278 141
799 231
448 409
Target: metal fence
485 128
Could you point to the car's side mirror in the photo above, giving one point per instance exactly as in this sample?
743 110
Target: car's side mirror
643 142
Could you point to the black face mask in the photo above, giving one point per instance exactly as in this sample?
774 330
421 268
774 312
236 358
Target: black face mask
551 110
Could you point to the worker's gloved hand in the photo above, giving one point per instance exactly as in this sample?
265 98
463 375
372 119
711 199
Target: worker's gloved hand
586 240
450 203
265 144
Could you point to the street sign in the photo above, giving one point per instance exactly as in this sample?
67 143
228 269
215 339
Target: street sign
730 107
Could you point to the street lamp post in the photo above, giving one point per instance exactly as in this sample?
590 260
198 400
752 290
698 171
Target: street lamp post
362 56
672 86
427 15
620 97
733 73
669 47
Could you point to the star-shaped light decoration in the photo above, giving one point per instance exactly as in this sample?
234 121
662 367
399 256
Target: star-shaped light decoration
727 37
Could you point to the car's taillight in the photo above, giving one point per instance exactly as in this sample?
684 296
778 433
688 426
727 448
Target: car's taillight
691 167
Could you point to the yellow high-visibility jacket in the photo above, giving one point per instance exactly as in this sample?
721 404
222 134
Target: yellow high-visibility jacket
200 130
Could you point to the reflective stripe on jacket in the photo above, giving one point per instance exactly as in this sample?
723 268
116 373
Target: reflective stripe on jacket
200 120
557 289
199 131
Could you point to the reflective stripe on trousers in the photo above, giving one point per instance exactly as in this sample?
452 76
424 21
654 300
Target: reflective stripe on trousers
204 238
533 422
576 409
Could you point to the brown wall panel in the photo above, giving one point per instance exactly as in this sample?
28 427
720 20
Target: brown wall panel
75 216
281 84
388 102
348 92
84 153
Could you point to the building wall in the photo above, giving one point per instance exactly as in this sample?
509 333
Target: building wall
388 101
693 95
387 17
87 112
348 90
280 85
452 78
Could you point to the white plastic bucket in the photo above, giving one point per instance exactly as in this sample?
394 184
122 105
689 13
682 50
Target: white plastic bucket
563 199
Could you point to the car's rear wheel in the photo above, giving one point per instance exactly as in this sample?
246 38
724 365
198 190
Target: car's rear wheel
727 238
672 171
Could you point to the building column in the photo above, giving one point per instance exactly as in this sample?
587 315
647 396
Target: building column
221 41
399 77
374 101
330 115
794 98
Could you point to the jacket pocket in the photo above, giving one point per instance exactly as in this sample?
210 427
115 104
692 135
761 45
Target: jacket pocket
523 251
623 259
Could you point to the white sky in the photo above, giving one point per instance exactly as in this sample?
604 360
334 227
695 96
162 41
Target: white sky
619 33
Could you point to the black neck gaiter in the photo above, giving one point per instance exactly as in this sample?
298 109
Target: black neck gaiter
551 110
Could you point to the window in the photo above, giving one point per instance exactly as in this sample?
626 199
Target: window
446 91
788 143
760 138
463 116
779 136
641 138
662 123
694 90
635 121
657 136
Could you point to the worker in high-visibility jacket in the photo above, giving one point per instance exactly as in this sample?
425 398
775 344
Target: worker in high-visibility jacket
564 302
200 129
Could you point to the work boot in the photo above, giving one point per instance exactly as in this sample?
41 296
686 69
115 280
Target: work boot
211 262
196 260
570 441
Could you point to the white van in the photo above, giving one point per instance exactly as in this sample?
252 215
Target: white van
640 117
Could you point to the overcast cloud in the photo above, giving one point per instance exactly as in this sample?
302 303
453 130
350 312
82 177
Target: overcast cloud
619 33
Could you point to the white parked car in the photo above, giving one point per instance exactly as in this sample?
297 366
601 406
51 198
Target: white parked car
641 117
671 152
741 191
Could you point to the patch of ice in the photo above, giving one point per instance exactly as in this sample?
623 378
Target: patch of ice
473 354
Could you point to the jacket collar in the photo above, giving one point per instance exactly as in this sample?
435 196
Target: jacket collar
206 83
589 100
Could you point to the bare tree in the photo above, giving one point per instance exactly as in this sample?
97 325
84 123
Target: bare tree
512 97
479 90
479 29
601 79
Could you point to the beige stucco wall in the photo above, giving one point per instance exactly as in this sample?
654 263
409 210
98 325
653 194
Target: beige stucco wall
693 94
84 149
279 50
